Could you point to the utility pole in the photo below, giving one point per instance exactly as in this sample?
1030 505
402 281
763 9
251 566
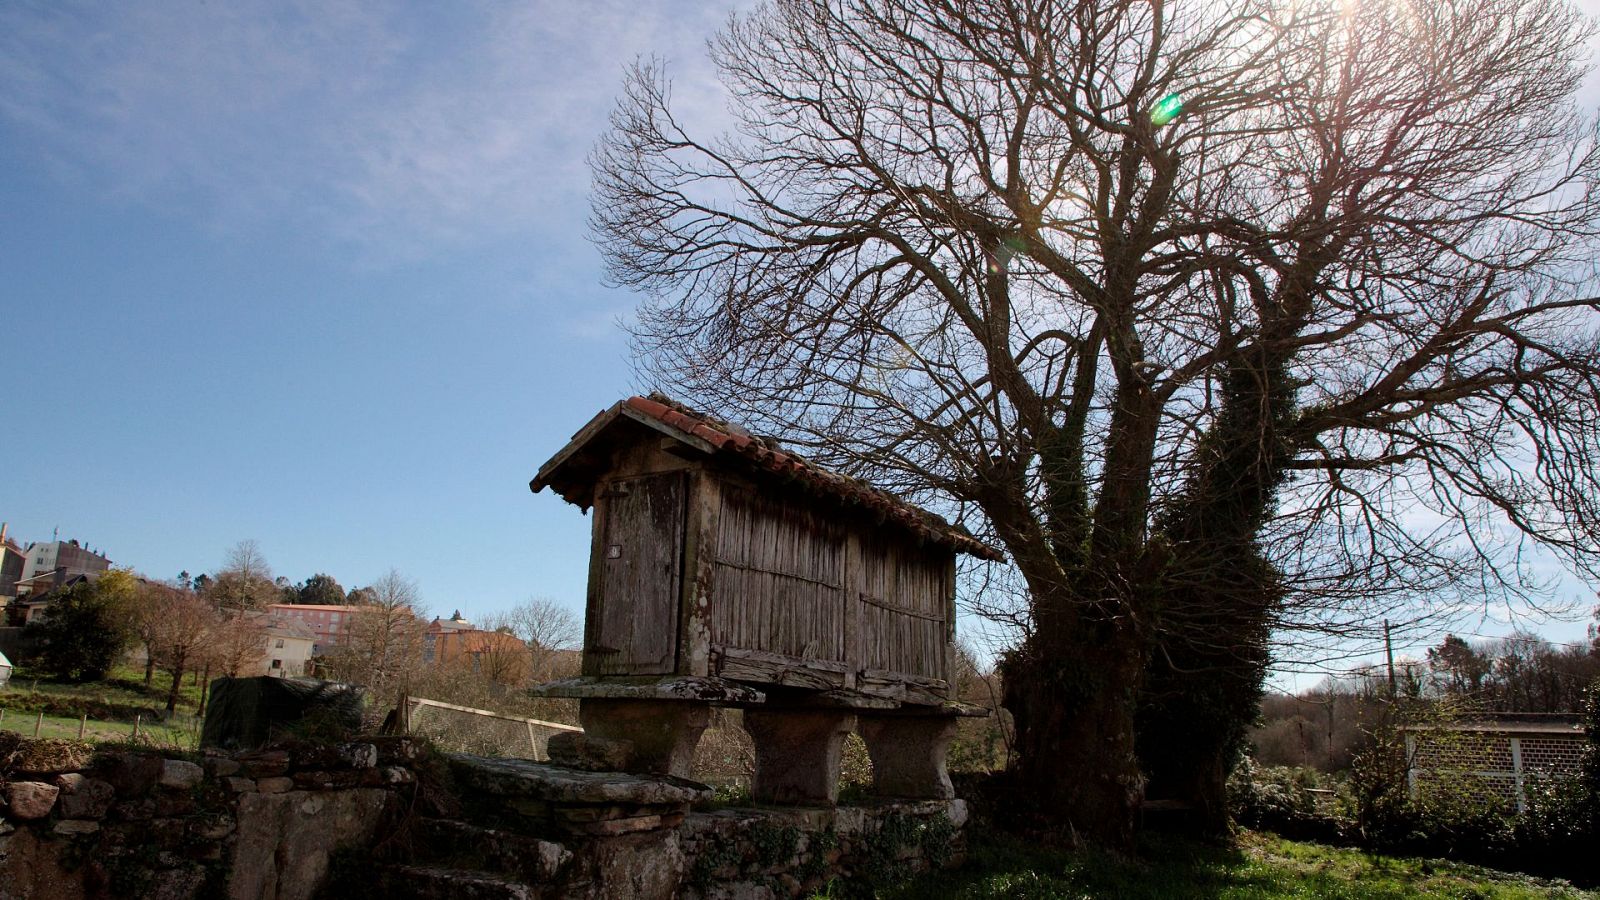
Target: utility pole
1388 651
1329 745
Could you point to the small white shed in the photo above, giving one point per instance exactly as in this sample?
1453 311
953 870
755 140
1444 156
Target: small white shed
5 670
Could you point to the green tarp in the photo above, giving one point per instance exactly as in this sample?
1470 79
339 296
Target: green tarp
246 713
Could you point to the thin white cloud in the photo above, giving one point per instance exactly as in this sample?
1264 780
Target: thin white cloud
397 129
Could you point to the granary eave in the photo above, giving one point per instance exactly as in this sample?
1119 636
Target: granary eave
578 489
568 475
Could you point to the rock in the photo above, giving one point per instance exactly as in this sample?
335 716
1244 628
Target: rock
648 864
265 763
70 781
398 749
276 785
957 812
171 805
359 755
36 867
522 778
538 861
299 826
30 799
396 775
36 756
221 766
167 834
322 780
613 827
239 785
457 884
132 774
134 810
577 750
76 826
180 775
212 828
175 884
89 798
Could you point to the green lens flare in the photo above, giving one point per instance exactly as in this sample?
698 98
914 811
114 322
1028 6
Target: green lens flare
1166 109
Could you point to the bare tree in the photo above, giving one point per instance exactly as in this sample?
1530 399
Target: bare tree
181 628
548 629
493 651
383 642
1221 316
245 580
239 644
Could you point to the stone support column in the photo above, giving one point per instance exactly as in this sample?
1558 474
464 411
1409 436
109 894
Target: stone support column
797 754
908 755
663 733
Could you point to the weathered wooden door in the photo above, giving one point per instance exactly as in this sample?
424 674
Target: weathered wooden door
640 573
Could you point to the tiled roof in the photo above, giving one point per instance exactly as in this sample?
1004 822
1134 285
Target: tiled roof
766 458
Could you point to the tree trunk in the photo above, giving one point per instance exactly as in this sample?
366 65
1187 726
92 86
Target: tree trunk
177 683
205 690
1191 728
149 667
1073 705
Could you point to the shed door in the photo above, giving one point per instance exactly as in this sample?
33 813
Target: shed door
640 570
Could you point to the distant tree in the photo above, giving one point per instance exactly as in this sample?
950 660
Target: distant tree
498 653
181 627
547 628
200 583
320 590
147 619
245 580
1463 667
238 644
184 581
88 626
383 642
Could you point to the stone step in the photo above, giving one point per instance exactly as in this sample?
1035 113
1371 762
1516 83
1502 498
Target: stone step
464 845
437 883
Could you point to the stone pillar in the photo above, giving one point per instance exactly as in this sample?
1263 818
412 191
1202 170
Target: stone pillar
908 755
797 754
663 732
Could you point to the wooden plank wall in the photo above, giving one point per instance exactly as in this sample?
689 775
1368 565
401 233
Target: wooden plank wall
903 595
793 582
779 579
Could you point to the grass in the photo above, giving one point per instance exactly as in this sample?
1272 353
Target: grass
111 706
159 733
1260 867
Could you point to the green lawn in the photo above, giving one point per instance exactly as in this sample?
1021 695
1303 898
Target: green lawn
1261 867
159 734
111 705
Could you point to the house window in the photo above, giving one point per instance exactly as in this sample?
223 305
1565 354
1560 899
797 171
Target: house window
277 664
280 643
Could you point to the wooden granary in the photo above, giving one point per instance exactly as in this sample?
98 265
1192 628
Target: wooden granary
726 570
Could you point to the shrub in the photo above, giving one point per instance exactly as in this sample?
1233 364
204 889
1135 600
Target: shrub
1280 799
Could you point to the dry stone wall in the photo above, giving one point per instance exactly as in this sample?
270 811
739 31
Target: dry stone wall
385 818
75 823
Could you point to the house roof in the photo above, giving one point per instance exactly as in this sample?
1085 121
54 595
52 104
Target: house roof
573 471
1546 724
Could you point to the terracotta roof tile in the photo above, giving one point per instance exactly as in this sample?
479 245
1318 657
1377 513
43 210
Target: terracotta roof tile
766 455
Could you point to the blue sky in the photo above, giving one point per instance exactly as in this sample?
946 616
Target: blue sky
313 274
316 274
